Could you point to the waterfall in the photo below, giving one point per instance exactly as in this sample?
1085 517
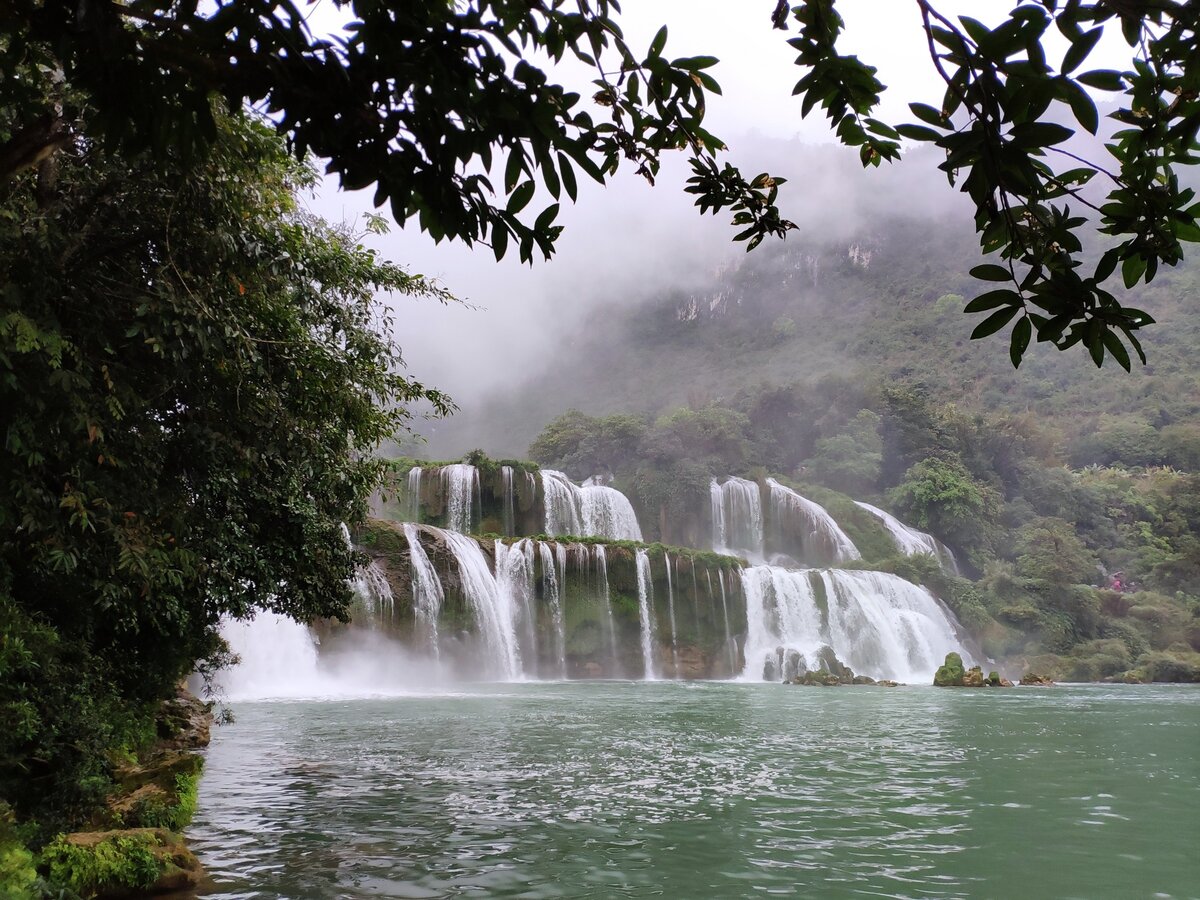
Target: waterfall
509 509
461 482
671 615
610 622
552 593
371 586
911 542
413 494
427 595
278 658
515 583
820 538
494 609
646 613
594 510
737 517
729 644
878 624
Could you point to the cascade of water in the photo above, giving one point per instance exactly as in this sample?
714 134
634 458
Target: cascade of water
821 538
552 588
515 582
910 541
671 615
737 517
509 508
494 609
412 494
278 658
729 644
878 624
460 483
427 593
610 622
371 586
646 614
591 511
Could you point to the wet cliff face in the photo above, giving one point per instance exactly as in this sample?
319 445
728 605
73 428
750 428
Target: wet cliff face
575 608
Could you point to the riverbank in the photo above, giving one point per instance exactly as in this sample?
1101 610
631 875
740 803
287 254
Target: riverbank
132 846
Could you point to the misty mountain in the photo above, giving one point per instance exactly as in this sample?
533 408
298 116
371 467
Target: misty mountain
856 293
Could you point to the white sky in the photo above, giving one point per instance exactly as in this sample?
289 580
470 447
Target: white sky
618 237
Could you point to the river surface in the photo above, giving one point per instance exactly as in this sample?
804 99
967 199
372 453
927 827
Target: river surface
692 790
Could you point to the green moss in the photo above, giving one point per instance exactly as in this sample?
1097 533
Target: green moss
120 861
951 673
18 875
173 810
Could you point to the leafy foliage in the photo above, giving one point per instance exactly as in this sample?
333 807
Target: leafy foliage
437 105
120 862
997 127
193 377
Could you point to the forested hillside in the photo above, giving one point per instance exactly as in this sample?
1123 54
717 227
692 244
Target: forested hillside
882 304
1069 493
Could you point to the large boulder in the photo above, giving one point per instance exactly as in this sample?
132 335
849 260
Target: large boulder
951 672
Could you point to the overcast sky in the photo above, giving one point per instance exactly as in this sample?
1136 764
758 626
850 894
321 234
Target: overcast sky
629 237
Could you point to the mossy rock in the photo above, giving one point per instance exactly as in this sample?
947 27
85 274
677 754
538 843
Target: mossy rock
122 863
951 672
161 793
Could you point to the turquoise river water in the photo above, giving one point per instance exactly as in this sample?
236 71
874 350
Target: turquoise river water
680 790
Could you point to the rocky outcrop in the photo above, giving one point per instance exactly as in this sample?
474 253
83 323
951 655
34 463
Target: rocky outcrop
131 862
953 673
134 848
833 673
1033 679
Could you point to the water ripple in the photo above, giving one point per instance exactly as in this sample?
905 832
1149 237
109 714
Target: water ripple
712 790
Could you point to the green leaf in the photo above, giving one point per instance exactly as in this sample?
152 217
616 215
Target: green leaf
548 215
1084 108
992 299
1132 269
1103 80
1080 47
928 114
994 322
659 42
918 132
499 240
991 272
520 198
1040 134
1116 348
1019 343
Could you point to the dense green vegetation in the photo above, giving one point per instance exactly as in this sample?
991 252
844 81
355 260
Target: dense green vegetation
1043 544
193 375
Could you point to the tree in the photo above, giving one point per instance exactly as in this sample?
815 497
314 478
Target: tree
850 460
193 378
429 102
995 125
940 495
588 445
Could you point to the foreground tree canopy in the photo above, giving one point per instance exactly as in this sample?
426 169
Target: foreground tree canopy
194 377
444 109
